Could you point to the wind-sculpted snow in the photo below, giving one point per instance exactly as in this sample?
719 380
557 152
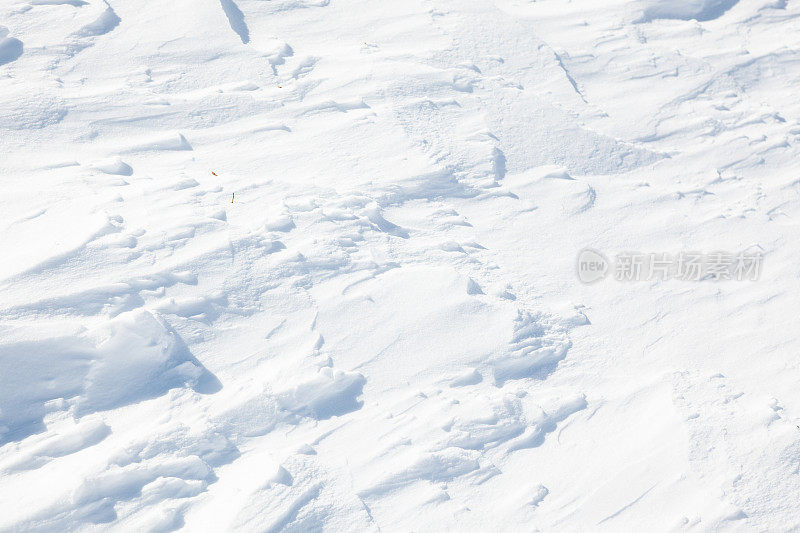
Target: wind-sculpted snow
236 19
327 394
10 47
701 10
301 265
131 358
107 21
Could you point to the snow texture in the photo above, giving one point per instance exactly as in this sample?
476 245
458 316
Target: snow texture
309 265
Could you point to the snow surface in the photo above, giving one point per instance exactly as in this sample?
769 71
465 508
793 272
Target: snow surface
301 265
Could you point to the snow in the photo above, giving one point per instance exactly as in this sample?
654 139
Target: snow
701 10
307 265
10 47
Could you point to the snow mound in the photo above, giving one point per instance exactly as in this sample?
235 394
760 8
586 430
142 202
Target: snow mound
115 167
537 345
10 47
701 10
133 357
329 393
107 21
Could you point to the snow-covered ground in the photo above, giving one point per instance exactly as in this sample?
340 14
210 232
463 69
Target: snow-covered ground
301 265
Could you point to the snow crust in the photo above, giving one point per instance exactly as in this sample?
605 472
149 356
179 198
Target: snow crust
309 265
